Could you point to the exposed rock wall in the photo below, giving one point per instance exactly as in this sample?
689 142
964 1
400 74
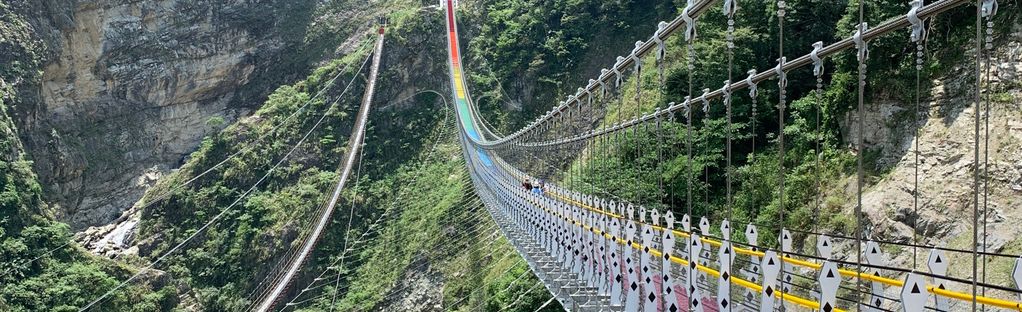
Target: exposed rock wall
946 169
131 87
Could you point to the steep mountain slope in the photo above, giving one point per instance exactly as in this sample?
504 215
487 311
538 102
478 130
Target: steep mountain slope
946 167
128 89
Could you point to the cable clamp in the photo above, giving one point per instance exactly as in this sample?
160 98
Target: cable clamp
690 25
860 44
686 108
727 91
603 86
706 103
753 89
730 7
635 55
782 76
817 61
617 72
918 29
989 8
661 48
579 94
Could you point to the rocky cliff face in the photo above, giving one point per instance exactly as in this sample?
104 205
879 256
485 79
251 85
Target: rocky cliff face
946 155
131 87
946 168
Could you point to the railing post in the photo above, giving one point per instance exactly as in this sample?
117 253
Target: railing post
874 257
632 281
726 256
671 302
913 293
695 248
752 237
651 302
938 263
771 267
616 274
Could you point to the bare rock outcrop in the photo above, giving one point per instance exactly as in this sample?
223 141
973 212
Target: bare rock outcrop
947 165
131 87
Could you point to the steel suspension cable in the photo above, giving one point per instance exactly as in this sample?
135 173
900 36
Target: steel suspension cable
260 138
354 147
781 106
417 265
975 161
690 59
635 131
351 215
660 162
436 141
729 171
545 304
520 296
490 266
818 137
988 13
920 53
372 227
344 255
884 28
477 231
863 56
496 258
706 133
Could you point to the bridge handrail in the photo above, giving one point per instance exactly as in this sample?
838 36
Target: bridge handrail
644 49
805 60
679 260
1007 304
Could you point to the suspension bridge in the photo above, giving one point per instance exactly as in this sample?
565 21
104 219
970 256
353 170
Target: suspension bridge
594 251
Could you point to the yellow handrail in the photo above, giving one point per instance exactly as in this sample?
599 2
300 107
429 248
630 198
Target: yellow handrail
681 261
1007 304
